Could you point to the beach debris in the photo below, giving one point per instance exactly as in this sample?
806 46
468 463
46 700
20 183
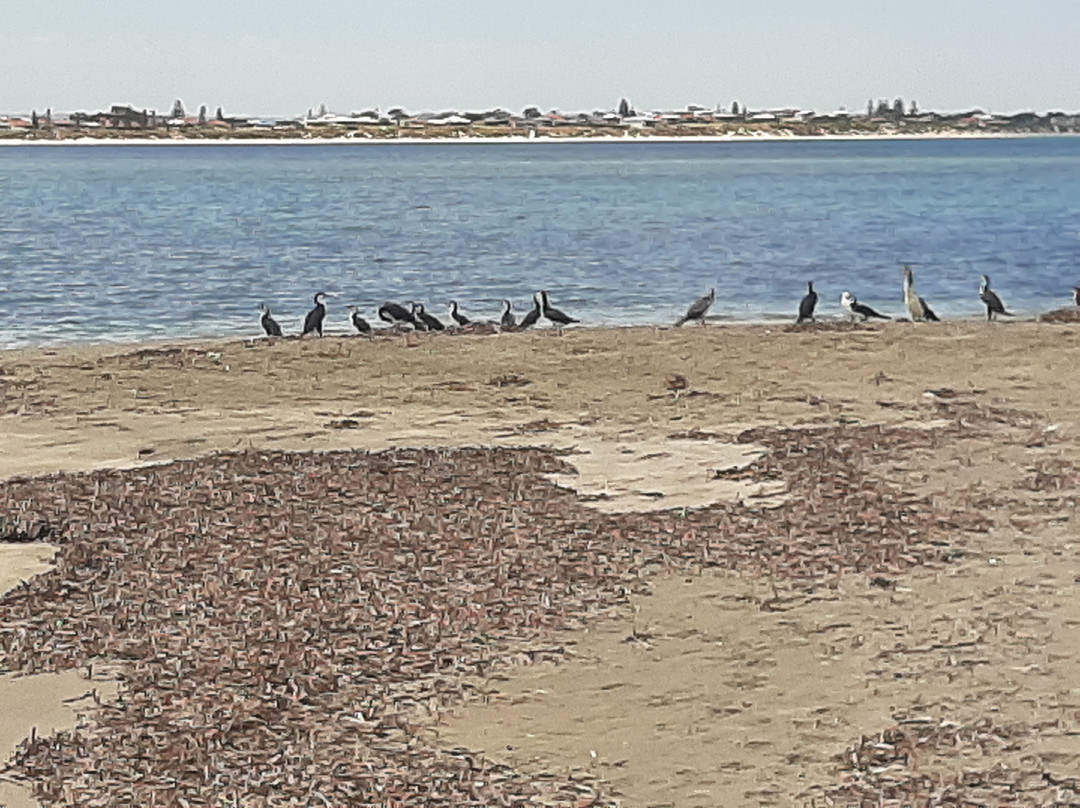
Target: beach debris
294 624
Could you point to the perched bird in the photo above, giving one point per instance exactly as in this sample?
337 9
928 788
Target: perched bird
1076 295
533 314
698 309
269 324
395 314
807 304
314 320
917 307
456 315
554 315
508 320
857 309
430 321
361 325
994 306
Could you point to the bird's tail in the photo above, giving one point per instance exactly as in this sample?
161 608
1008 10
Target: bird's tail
680 321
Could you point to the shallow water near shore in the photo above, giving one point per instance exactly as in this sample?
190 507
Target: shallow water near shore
127 243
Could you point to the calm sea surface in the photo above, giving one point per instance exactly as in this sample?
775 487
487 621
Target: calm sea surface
133 242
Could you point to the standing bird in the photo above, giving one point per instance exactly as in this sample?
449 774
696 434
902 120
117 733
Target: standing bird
395 314
457 316
361 325
508 320
533 315
698 309
314 320
807 304
857 309
430 321
994 306
1076 295
917 307
269 324
554 315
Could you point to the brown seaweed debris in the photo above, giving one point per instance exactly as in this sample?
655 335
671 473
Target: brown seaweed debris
897 767
292 625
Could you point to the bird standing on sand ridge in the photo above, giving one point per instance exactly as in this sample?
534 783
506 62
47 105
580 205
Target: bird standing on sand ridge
917 307
1076 295
314 320
361 325
553 314
532 315
395 314
698 309
807 304
269 324
430 321
857 309
457 316
508 320
994 306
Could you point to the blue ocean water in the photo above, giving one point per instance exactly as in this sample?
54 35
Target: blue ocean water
133 242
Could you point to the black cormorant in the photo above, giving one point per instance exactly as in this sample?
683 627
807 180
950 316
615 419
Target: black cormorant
808 303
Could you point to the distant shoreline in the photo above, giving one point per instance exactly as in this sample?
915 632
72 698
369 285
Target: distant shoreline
516 140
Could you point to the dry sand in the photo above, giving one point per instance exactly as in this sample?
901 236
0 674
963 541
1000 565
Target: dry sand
703 696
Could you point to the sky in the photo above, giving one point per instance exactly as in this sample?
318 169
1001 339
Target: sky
283 57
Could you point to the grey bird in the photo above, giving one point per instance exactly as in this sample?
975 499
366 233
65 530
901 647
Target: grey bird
698 309
994 306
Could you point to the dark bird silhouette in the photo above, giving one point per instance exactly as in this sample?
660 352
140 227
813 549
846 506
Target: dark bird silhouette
314 320
698 309
395 314
430 321
553 314
508 320
857 309
994 306
361 325
457 316
807 304
269 324
1076 295
532 315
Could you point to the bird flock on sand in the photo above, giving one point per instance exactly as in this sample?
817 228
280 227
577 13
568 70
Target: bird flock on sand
413 316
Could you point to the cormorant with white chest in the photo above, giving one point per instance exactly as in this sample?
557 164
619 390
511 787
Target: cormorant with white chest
269 324
554 315
1076 295
456 315
698 309
994 306
807 304
857 309
395 314
314 320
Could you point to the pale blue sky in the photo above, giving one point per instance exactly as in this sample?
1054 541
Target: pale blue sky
284 56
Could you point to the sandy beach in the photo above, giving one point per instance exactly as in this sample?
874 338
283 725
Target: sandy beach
773 566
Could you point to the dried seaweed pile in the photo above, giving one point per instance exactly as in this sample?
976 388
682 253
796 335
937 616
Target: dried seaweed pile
890 769
291 625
